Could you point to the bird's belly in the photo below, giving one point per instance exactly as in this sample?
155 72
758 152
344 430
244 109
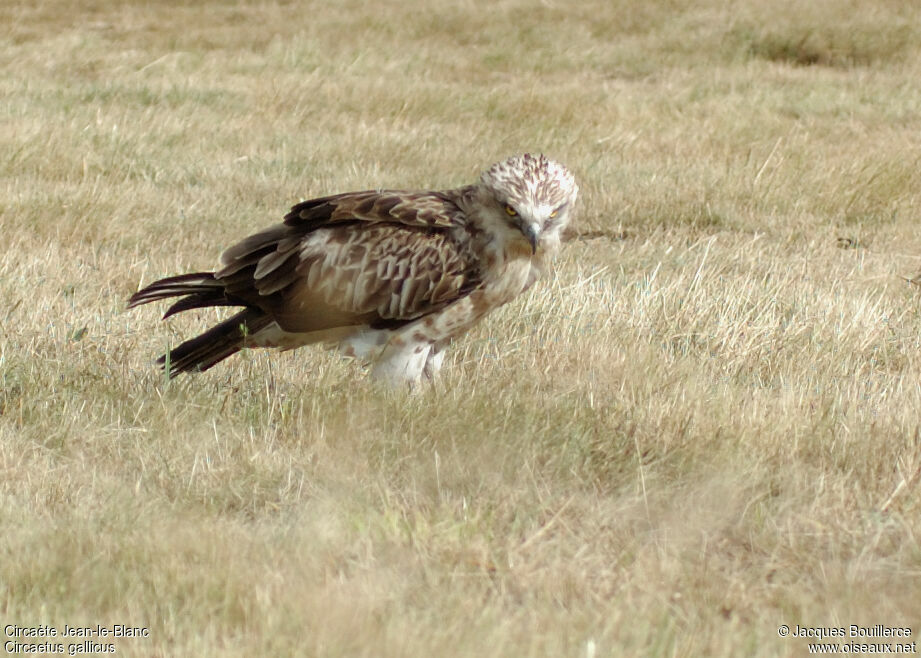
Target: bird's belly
275 336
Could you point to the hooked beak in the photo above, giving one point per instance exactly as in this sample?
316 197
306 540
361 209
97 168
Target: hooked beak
532 233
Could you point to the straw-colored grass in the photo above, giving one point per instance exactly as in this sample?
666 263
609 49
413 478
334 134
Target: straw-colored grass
705 425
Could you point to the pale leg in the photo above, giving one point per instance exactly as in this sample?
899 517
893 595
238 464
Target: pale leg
435 359
401 362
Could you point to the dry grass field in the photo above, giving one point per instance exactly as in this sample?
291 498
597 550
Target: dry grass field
704 425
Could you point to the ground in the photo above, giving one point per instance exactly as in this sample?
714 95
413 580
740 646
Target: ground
702 426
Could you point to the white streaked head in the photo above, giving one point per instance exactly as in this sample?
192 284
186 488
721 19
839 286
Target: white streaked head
535 194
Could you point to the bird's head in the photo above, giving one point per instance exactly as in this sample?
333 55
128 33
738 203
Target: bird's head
533 196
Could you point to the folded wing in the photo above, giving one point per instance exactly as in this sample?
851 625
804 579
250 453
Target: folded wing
378 258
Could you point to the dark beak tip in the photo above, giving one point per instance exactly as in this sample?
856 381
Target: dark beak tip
532 235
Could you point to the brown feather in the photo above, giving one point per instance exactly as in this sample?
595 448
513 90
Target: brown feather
351 259
216 344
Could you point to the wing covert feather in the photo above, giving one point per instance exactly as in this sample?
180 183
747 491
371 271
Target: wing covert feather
423 209
355 258
388 271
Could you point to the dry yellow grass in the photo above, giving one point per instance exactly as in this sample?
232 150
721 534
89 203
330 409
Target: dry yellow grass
708 424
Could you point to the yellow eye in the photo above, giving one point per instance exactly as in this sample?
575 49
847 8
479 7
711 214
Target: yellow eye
510 211
554 214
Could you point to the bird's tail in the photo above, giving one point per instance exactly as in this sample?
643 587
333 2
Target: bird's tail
216 344
200 290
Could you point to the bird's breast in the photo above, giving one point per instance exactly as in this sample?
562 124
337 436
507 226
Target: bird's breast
509 280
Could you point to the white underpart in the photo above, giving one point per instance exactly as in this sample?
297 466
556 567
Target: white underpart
274 336
365 344
396 358
402 361
433 363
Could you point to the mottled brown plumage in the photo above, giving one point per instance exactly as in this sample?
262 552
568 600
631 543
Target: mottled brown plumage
389 277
